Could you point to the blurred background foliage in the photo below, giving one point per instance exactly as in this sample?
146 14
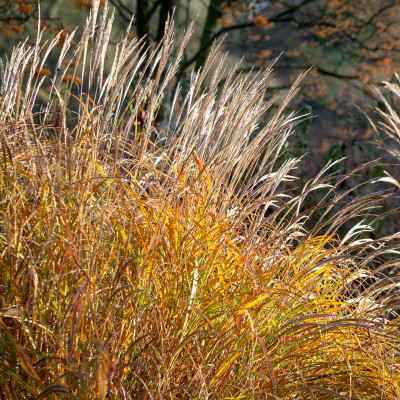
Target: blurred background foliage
348 46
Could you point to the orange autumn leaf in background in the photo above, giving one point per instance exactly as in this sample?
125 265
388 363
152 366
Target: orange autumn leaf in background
265 53
26 8
260 20
42 72
86 4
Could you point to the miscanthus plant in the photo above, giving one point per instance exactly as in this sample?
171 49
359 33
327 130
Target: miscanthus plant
147 263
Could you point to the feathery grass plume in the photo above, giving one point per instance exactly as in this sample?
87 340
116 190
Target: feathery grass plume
138 263
388 132
389 125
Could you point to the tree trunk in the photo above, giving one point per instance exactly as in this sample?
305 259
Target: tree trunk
142 19
213 14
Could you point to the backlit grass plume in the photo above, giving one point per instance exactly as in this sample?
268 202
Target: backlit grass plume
147 263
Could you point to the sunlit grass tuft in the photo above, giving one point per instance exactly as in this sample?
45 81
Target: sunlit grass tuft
144 263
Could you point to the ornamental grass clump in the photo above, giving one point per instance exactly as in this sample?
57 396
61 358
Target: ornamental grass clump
147 263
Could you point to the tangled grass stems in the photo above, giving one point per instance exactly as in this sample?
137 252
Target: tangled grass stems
140 263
